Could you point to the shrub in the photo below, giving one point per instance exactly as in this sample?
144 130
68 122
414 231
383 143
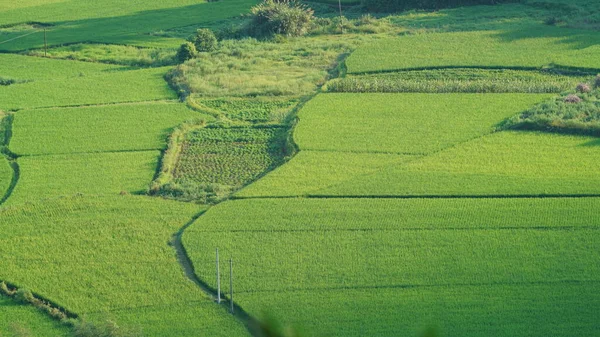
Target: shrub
572 99
205 40
24 296
597 81
583 88
284 17
186 52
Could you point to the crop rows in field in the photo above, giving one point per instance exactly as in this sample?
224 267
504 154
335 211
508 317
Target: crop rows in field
21 320
255 109
324 250
229 156
108 257
89 88
458 80
125 127
535 47
99 173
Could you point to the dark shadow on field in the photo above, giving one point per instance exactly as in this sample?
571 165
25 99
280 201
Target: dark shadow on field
577 39
591 143
133 29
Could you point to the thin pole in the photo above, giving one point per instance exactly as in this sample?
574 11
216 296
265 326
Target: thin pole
45 44
341 17
231 283
218 279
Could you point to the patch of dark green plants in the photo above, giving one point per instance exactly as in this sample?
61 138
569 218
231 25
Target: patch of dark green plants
574 112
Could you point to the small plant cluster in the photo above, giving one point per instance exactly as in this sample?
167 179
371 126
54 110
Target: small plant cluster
203 41
576 112
282 17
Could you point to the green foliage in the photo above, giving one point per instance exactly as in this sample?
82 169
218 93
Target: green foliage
205 40
101 173
98 128
25 320
402 123
251 68
23 296
113 54
253 109
107 328
186 52
401 5
284 17
108 257
568 113
457 80
528 47
435 261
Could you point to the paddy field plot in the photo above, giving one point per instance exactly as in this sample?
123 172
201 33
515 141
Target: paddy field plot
90 88
504 163
100 173
110 21
402 123
311 171
25 320
109 257
122 127
333 252
532 47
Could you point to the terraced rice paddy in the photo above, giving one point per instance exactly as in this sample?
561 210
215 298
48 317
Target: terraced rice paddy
316 250
127 127
386 203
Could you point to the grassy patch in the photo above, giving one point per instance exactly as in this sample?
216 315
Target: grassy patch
99 88
315 246
253 68
311 171
109 257
505 163
101 173
535 47
402 123
113 54
97 129
254 109
577 113
457 80
25 320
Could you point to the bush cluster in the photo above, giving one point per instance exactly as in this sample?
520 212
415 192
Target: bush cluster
400 5
203 41
283 17
575 112
25 296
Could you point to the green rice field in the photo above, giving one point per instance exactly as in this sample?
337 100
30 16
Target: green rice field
360 173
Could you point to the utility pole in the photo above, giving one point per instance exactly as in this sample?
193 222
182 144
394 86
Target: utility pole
231 283
45 44
218 279
341 17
